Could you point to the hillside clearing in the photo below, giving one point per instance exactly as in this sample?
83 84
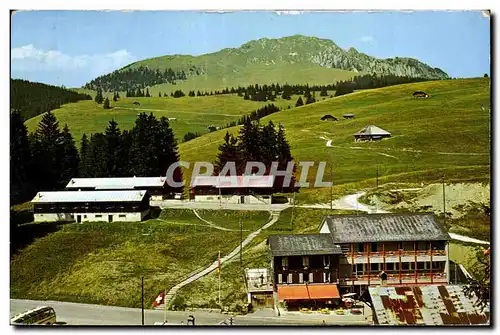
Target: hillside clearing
422 152
103 262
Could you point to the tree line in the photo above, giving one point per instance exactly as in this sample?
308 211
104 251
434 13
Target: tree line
256 142
48 158
285 91
141 77
32 99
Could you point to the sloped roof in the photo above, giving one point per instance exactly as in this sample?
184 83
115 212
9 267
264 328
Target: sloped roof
385 227
88 196
116 183
306 244
234 181
426 305
372 130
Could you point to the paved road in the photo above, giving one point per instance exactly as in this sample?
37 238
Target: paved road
95 315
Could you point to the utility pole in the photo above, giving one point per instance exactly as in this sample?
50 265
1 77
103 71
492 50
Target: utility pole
241 243
444 201
377 176
293 211
142 297
331 187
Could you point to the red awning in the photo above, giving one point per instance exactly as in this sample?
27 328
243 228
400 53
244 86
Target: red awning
303 292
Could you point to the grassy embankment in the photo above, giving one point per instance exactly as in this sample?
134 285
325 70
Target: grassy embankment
103 262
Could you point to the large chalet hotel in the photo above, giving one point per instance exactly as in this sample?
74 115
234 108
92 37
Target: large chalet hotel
354 252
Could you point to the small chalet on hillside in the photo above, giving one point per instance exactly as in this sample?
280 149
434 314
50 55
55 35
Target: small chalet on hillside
329 117
371 133
420 94
348 116
233 189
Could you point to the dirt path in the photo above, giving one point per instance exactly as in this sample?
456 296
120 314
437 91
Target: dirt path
170 294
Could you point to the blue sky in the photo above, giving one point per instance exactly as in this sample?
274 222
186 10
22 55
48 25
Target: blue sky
72 47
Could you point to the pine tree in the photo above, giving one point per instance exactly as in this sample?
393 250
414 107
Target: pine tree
249 141
99 98
69 158
284 156
159 94
324 92
114 97
97 150
21 161
113 160
106 104
147 93
310 100
269 150
46 158
84 167
167 151
299 102
229 151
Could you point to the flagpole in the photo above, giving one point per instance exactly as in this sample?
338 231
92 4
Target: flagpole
165 303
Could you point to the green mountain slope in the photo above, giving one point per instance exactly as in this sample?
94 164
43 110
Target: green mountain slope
193 114
33 98
445 134
294 59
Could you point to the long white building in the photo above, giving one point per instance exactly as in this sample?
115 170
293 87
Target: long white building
86 206
156 186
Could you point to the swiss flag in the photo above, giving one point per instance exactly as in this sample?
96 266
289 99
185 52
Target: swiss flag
160 299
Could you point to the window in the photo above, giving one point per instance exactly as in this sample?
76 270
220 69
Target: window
389 266
301 278
437 265
305 261
326 260
420 265
290 279
284 261
122 215
361 247
406 266
280 278
422 246
326 277
359 268
98 216
85 216
311 278
374 267
374 247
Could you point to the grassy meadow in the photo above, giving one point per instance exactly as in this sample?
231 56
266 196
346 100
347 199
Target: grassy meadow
193 114
103 262
447 134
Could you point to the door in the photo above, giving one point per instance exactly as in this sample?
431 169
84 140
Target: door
242 199
110 218
78 219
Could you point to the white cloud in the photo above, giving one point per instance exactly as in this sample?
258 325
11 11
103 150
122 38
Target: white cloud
368 39
29 58
288 12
